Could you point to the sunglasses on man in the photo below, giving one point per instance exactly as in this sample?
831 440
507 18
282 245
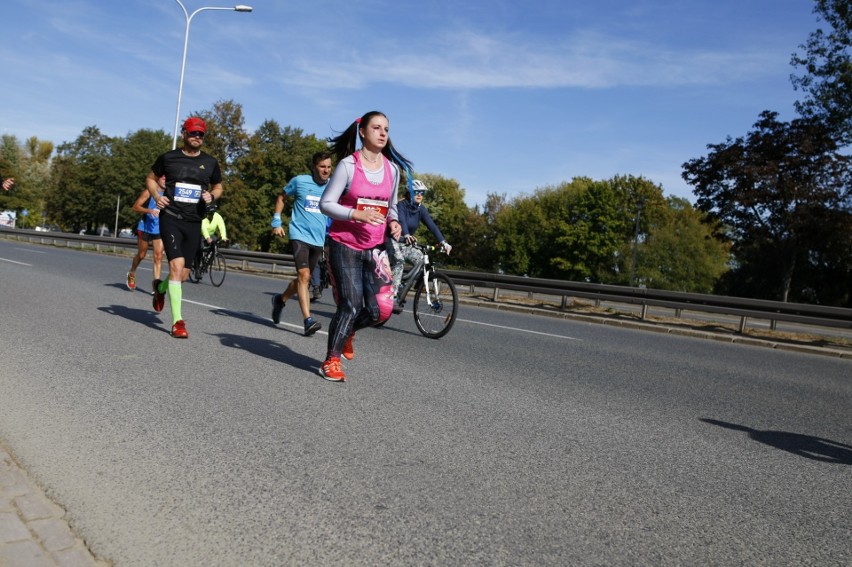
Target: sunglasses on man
195 134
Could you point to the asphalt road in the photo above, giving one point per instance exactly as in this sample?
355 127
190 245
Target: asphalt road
515 440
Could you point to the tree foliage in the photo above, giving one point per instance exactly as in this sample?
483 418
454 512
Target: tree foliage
84 195
782 193
827 66
679 252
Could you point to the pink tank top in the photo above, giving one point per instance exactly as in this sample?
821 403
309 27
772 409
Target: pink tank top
363 194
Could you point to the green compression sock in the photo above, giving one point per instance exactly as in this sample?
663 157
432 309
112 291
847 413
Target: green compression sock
163 287
175 297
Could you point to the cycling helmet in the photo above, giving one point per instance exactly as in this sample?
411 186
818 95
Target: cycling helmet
419 186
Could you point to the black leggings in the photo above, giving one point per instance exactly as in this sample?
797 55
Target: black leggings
362 287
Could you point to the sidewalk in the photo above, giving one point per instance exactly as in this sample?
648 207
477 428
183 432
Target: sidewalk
33 530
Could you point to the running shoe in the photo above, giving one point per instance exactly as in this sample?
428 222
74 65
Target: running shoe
179 330
311 326
348 350
397 308
159 298
331 370
316 294
131 281
277 306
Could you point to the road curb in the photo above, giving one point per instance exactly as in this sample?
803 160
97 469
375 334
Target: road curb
33 529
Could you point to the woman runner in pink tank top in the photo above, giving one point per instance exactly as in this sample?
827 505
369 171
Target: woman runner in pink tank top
360 198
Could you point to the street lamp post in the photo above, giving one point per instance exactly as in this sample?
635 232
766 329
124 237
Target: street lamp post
188 16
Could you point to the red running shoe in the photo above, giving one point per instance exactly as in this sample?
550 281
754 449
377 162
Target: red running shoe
131 281
331 370
348 350
179 330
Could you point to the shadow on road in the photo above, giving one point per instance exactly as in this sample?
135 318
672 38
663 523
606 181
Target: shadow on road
271 350
808 446
146 317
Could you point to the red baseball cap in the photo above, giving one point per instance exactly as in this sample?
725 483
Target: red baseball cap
194 124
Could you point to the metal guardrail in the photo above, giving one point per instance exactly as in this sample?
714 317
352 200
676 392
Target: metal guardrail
744 308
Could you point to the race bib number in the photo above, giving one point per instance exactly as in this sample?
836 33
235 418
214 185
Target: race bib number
187 192
312 204
372 205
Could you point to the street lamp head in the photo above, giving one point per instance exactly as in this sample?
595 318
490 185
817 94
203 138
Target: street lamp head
242 8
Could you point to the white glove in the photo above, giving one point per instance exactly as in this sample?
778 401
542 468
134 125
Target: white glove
447 248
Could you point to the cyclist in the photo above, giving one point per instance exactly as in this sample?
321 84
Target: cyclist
361 198
307 235
211 224
147 234
411 214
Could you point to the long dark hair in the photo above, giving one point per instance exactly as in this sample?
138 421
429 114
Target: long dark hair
343 144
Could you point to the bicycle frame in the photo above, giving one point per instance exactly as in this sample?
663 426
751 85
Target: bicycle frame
435 296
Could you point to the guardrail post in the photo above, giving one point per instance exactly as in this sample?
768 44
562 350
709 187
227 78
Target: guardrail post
773 324
678 313
566 302
644 311
496 293
743 323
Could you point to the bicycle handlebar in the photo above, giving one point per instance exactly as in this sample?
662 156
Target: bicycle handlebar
425 247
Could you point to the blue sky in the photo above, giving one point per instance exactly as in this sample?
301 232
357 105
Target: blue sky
504 97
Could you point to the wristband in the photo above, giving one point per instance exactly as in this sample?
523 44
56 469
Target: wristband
276 220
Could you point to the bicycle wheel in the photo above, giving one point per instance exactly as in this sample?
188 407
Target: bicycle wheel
435 319
195 273
217 270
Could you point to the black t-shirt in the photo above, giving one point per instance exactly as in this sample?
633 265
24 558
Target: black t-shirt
186 177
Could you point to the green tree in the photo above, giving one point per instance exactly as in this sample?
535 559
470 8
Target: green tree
226 138
587 231
827 66
679 252
477 249
132 158
20 198
35 180
86 185
783 191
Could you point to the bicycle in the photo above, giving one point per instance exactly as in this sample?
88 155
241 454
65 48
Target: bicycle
211 262
435 297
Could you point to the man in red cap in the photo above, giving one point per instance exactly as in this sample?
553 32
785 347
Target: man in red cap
193 181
